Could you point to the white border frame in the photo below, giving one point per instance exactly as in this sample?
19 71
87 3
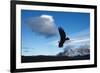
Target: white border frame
20 65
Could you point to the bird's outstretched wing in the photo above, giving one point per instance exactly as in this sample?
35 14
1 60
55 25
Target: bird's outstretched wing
62 33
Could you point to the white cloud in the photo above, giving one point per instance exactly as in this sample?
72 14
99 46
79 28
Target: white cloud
72 51
79 38
43 25
48 17
78 41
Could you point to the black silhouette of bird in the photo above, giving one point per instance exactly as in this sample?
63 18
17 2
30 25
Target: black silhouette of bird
63 37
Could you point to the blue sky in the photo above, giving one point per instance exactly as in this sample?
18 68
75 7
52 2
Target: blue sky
75 25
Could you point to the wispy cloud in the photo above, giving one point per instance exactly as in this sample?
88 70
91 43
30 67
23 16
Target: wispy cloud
84 33
72 51
79 38
77 41
78 45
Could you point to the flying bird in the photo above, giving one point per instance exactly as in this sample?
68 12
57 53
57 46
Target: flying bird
63 37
